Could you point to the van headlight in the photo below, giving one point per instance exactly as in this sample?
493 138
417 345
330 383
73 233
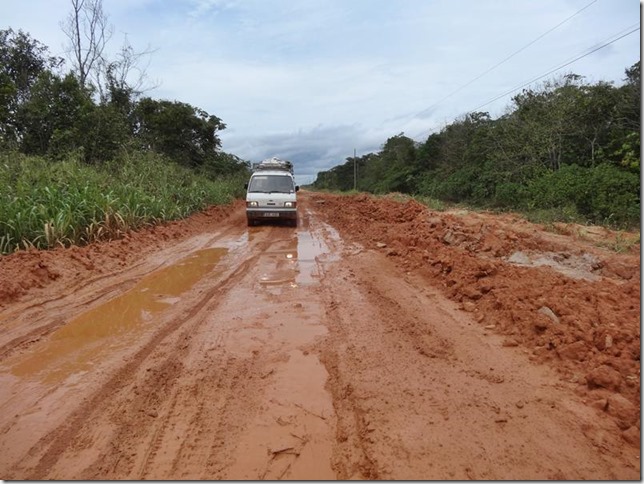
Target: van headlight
289 204
252 204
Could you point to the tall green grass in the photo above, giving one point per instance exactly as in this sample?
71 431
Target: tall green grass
44 204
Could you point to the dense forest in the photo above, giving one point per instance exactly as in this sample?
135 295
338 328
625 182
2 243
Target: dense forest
567 149
85 154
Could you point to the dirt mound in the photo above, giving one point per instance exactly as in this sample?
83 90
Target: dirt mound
24 272
565 300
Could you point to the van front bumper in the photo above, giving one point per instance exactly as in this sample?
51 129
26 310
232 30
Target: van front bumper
271 213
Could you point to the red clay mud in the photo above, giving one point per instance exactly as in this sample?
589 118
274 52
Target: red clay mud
378 340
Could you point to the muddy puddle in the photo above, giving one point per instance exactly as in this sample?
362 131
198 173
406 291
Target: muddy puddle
77 345
293 261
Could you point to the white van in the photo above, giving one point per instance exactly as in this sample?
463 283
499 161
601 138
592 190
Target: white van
271 192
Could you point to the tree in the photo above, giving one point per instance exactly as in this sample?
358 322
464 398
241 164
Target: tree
127 72
593 115
89 32
184 133
625 146
54 120
541 121
225 164
429 152
397 159
633 97
22 60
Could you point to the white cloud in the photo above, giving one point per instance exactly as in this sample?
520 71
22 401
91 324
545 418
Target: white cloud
313 79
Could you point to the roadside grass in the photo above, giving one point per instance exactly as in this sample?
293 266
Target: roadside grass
550 216
431 203
44 204
623 242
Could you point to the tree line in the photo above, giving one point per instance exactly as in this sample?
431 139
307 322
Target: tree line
91 111
567 147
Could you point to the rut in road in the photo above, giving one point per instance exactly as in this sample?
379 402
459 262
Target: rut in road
144 381
179 405
421 390
296 355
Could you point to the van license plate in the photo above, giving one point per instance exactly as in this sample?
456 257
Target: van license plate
271 214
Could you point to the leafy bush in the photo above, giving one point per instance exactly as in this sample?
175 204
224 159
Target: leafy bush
456 187
510 195
613 197
557 188
603 194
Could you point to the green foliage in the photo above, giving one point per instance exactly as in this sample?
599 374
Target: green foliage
603 193
44 204
453 187
225 164
510 194
22 61
565 149
74 170
45 113
394 168
628 153
184 133
54 118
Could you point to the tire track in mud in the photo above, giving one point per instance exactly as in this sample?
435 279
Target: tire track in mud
289 435
50 449
87 291
307 358
176 432
181 405
346 358
421 391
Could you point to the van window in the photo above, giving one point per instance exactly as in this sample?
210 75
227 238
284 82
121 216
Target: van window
271 183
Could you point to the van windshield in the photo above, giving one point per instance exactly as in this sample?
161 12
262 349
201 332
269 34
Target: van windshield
271 183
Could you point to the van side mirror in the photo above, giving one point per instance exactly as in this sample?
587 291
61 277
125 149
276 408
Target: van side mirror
297 188
245 186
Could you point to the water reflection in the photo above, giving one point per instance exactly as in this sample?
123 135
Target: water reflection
280 264
292 261
75 346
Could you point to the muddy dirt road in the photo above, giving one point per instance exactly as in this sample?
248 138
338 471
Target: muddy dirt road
378 340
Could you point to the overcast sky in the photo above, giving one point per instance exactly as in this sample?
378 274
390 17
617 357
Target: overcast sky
310 80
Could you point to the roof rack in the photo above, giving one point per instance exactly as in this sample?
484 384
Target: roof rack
274 164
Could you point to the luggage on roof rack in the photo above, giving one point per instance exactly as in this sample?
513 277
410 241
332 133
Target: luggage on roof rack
274 164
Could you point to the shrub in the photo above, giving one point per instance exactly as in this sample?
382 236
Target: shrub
510 195
602 194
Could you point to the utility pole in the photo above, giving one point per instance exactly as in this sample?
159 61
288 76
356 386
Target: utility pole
355 170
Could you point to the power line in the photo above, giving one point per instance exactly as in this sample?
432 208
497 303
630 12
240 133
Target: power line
504 60
605 43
